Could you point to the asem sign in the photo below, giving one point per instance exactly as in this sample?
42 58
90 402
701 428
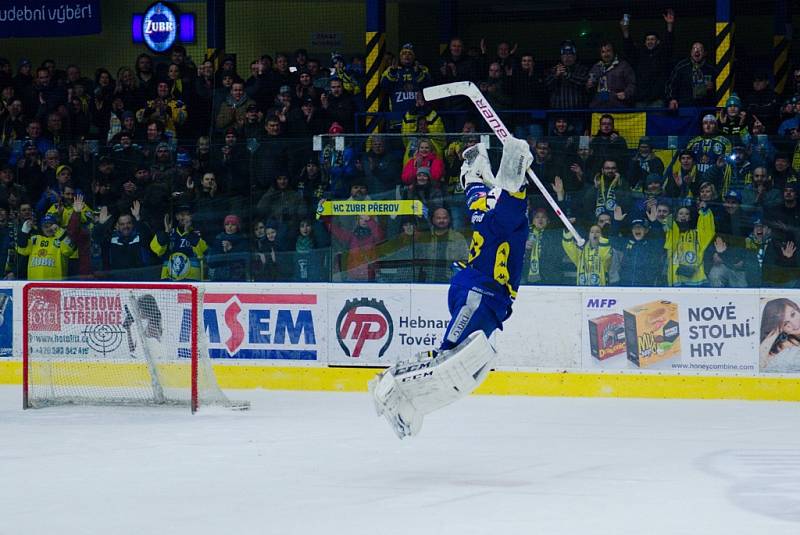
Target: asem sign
161 26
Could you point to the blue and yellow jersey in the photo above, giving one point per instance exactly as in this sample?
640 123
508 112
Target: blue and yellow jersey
499 232
182 253
47 256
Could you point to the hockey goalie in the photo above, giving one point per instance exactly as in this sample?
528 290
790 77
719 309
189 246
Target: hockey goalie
480 297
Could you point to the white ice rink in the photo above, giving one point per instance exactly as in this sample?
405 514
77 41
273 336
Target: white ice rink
323 464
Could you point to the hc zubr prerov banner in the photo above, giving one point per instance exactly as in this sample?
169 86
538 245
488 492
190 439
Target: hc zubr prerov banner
49 18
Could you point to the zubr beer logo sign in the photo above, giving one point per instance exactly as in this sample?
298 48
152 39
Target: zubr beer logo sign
362 320
159 27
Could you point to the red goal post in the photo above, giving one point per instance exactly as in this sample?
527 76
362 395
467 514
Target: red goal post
116 344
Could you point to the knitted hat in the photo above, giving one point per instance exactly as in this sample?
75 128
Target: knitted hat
733 100
424 171
62 168
232 219
568 47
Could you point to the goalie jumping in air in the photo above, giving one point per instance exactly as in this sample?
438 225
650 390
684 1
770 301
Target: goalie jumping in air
480 297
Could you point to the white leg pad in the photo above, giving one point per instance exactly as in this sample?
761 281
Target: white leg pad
411 389
514 164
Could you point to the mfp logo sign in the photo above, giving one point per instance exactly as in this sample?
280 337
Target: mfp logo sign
362 320
159 27
258 326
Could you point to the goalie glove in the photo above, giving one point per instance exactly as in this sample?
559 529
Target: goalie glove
476 167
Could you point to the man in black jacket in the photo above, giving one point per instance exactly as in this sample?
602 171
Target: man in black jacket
651 63
126 248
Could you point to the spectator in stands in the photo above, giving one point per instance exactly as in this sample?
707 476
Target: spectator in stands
456 66
724 262
425 156
708 147
644 163
266 253
760 193
757 242
271 156
145 75
381 168
581 167
607 144
305 121
165 109
309 262
311 184
12 123
782 172
228 254
566 83
44 96
784 219
612 81
233 110
338 166
493 86
735 123
543 251
686 243
642 253
763 102
47 253
305 89
284 205
544 165
125 246
732 219
651 63
34 137
441 246
398 255
504 55
686 179
781 267
691 82
403 80
282 105
338 106
180 247
23 80
761 150
126 88
423 189
731 173
341 72
422 122
359 244
527 91
592 259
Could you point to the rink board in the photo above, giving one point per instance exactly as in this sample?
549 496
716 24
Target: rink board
597 342
550 384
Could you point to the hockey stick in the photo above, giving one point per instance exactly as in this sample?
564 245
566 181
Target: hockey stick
471 91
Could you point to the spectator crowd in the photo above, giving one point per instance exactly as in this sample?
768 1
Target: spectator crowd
176 170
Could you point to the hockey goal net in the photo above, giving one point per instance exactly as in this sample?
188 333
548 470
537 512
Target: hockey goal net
123 344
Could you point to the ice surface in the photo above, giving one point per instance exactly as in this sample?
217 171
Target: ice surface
324 464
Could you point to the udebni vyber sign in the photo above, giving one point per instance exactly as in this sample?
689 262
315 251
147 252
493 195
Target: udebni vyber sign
49 18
